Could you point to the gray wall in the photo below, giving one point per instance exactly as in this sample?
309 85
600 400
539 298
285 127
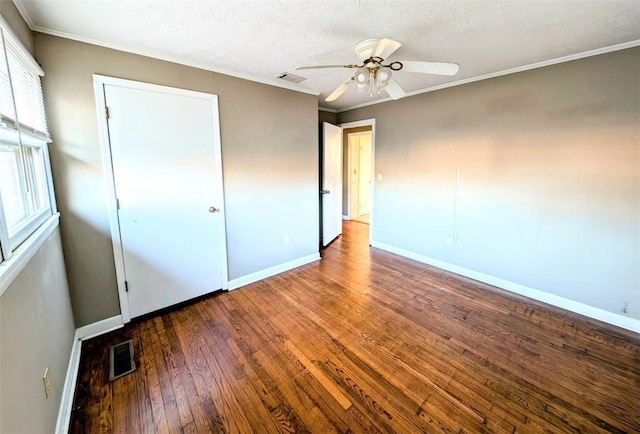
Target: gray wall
36 323
269 152
550 178
37 329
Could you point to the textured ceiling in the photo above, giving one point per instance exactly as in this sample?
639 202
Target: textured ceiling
260 39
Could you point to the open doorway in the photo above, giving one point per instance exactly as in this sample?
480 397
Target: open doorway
359 173
358 169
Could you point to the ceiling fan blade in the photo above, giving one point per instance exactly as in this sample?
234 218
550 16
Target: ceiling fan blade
340 90
437 68
385 48
299 68
394 90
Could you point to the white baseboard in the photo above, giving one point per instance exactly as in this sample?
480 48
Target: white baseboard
536 294
69 388
113 323
272 271
99 328
345 217
71 378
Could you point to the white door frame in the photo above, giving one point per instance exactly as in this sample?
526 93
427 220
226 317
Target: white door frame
99 81
363 123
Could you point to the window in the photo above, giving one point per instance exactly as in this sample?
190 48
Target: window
25 186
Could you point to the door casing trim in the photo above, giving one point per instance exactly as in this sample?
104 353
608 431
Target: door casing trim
99 81
363 123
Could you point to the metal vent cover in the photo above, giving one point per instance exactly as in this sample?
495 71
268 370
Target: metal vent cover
121 360
292 78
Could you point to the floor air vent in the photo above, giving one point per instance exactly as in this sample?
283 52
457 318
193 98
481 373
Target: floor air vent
121 360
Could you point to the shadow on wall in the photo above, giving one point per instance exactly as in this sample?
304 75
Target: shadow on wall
85 230
85 243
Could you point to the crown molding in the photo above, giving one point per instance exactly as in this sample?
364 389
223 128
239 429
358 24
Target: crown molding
563 59
326 109
284 85
207 67
23 11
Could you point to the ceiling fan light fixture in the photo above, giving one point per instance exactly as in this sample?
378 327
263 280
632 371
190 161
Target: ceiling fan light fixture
363 79
382 77
362 76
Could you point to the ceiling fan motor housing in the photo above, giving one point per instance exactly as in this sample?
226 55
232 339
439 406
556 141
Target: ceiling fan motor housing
365 48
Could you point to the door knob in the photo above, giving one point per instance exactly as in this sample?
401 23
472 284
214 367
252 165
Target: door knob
324 192
213 209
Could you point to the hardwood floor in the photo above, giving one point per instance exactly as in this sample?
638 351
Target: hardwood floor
364 341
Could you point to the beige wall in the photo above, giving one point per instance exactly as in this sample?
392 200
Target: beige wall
269 151
549 167
36 322
324 116
36 332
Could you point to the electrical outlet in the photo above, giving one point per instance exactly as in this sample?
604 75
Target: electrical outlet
287 240
625 309
449 242
47 383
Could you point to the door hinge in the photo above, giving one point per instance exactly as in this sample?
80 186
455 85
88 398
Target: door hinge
126 286
106 112
117 203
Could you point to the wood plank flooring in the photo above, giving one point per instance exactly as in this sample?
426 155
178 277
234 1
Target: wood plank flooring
364 341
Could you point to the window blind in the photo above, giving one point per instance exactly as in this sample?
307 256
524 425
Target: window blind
6 96
25 191
20 82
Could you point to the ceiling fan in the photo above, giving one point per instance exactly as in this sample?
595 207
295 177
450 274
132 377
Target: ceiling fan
373 74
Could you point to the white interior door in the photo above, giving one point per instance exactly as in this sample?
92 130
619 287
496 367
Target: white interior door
331 182
364 184
165 154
